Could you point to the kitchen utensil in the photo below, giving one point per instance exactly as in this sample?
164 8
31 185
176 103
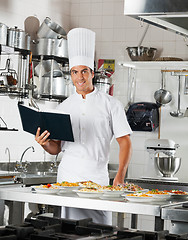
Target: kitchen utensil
18 38
45 68
47 46
162 148
58 86
10 74
168 166
3 34
162 96
31 25
178 113
50 29
141 53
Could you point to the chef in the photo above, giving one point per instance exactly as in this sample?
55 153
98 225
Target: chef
96 119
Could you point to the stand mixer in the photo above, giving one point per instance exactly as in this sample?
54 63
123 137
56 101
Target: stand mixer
162 163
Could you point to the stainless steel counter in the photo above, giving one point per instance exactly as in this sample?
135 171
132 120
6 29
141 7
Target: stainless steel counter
160 183
24 194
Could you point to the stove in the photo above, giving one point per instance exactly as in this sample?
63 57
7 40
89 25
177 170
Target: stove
51 228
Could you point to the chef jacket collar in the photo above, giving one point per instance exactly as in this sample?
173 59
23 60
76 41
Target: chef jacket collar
89 94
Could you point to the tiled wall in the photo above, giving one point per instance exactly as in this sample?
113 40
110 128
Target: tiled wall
114 32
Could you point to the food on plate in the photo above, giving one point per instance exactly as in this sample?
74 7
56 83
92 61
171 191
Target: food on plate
67 184
131 187
157 192
138 195
178 192
47 186
89 190
89 184
112 188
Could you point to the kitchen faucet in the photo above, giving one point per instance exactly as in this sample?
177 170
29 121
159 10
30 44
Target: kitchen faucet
53 164
7 150
19 165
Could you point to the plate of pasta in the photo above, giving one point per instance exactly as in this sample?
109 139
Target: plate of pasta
45 189
138 197
159 194
67 186
89 192
112 191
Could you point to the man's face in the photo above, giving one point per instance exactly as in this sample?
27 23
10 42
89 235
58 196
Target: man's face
82 79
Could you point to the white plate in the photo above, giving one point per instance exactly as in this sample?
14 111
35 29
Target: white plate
139 191
160 197
112 193
139 199
39 189
69 189
88 194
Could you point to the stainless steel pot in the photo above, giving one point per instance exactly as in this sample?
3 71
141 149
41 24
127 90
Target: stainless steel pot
18 38
50 29
56 90
44 68
47 46
3 34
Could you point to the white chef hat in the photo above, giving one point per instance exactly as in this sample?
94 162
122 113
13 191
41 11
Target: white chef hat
81 47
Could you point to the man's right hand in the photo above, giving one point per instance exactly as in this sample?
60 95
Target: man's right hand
42 139
51 146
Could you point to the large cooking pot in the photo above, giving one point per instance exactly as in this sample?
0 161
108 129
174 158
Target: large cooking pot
45 68
3 34
50 47
50 29
57 90
18 38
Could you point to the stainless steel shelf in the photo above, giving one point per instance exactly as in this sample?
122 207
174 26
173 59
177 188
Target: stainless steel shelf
158 65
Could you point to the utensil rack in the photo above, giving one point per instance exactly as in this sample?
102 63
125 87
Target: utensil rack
20 89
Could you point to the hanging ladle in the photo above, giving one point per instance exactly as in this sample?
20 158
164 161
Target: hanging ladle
162 96
177 113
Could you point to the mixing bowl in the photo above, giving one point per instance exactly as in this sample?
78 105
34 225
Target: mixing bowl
141 53
168 166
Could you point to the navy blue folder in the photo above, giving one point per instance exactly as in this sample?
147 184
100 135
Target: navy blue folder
58 124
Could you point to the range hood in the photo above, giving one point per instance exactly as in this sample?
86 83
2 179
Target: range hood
167 14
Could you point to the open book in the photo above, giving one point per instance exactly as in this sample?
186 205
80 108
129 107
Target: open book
58 124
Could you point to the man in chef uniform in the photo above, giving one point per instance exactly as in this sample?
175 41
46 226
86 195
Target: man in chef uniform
96 118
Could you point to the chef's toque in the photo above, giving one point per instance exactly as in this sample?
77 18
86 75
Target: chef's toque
81 47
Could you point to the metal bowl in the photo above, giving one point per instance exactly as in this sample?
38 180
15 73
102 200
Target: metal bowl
141 53
168 166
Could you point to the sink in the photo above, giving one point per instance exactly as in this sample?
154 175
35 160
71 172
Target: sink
37 174
33 178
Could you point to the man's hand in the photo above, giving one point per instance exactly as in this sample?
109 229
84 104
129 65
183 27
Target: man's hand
43 138
51 146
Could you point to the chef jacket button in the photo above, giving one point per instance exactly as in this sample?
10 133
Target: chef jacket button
83 114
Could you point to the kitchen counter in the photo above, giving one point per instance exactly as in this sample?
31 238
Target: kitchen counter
120 205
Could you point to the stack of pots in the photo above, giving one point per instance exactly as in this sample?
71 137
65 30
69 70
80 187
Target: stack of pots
51 42
14 37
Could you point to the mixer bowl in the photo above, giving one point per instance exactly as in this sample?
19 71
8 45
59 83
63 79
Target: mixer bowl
168 166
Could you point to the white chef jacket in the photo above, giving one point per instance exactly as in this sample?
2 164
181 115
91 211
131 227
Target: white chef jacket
95 120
